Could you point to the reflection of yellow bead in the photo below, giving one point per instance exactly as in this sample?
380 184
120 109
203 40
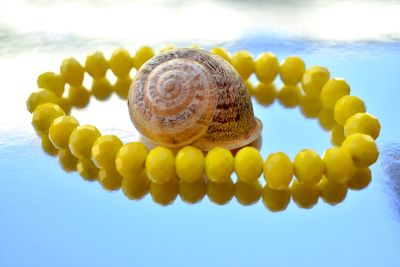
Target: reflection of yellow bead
332 192
333 90
104 150
248 164
304 195
192 192
160 165
314 79
363 123
110 179
60 130
164 194
362 149
78 96
266 67
338 164
143 54
359 179
72 71
308 166
48 146
247 193
96 65
222 52
42 96
220 193
136 187
189 164
310 106
289 96
44 115
130 159
265 93
326 118
337 134
346 107
82 139
291 70
52 82
67 161
278 170
87 169
275 200
243 62
101 88
122 86
219 164
121 62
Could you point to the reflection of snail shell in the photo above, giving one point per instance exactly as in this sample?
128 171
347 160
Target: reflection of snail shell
190 96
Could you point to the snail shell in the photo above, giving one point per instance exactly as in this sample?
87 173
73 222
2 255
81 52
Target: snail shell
191 96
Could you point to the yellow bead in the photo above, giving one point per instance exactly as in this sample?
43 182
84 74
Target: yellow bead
265 93
250 87
359 179
337 134
136 187
44 115
362 148
189 163
78 96
72 71
219 165
160 165
48 146
122 86
101 88
192 192
220 193
121 62
289 96
104 151
248 164
110 179
243 62
52 82
304 195
248 193
291 70
333 90
42 96
65 104
338 164
96 65
87 169
166 48
266 67
82 139
61 129
332 192
130 159
346 107
363 123
164 194
310 106
222 52
326 119
314 79
278 170
308 167
275 200
67 161
142 55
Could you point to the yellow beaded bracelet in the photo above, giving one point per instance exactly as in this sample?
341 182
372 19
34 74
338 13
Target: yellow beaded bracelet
192 173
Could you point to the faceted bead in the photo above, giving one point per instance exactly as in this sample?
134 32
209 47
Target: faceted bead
52 82
248 164
121 62
78 96
333 90
243 62
220 193
314 79
275 200
82 139
44 115
265 93
143 54
165 193
65 104
332 192
87 169
310 106
136 188
192 192
308 167
326 119
219 165
338 164
304 195
337 134
289 96
96 65
160 165
346 107
248 193
101 88
67 161
222 52
291 70
72 71
130 159
48 146
360 178
363 123
278 170
122 86
266 67
104 151
110 179
42 96
61 129
362 148
189 163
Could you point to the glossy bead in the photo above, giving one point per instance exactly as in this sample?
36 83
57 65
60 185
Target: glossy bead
250 87
165 193
346 107
243 62
87 169
360 178
96 64
61 129
222 52
189 163
314 79
160 165
304 195
104 151
308 167
101 88
42 96
289 96
78 96
219 165
275 200
333 90
278 170
44 115
65 104
110 179
362 148
52 82
265 93
337 134
266 67
310 106
67 161
122 86
121 62
363 123
248 193
72 71
332 192
338 164
48 146
326 119
192 192
248 164
136 188
82 139
130 159
143 54
220 193
291 70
